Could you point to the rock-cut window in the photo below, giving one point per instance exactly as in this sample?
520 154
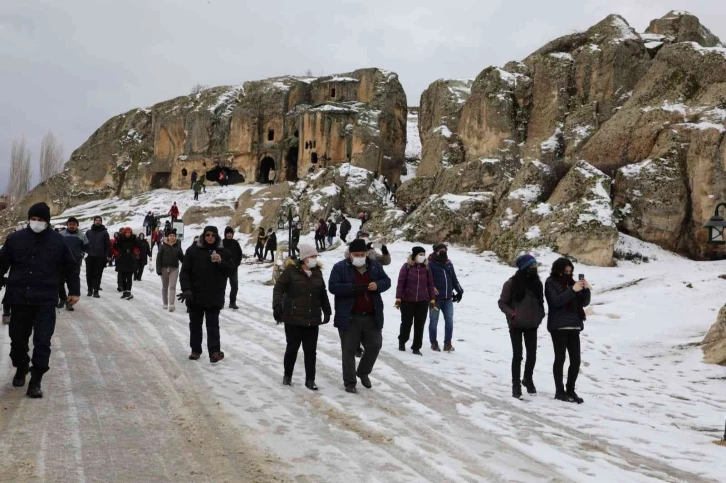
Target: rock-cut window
184 172
314 158
271 135
332 92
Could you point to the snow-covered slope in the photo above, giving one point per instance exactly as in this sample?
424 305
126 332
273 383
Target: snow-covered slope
652 408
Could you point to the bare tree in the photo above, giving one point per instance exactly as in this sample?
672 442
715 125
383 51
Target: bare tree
309 73
197 88
51 157
19 182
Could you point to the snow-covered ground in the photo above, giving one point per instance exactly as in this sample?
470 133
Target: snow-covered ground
652 409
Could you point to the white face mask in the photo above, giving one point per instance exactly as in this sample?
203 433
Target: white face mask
312 262
420 258
38 226
358 261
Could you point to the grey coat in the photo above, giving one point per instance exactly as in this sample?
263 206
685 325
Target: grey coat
528 313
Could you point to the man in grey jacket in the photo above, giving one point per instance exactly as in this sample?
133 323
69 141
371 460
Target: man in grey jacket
77 241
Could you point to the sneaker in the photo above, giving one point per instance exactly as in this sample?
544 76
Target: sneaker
417 352
516 391
172 308
311 385
351 389
575 398
90 293
435 347
165 307
530 386
69 307
448 347
124 295
365 380
233 306
129 296
287 380
194 356
216 357
561 396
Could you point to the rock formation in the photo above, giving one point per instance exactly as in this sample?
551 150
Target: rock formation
714 344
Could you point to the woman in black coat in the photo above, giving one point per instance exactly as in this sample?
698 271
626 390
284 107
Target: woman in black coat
126 250
144 256
300 301
522 301
566 300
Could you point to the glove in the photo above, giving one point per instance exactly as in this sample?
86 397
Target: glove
186 296
397 305
384 249
277 314
457 296
326 319
158 273
360 288
432 305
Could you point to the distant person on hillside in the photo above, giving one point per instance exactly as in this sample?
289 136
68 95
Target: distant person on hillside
300 301
322 232
566 300
270 245
235 251
78 243
174 212
149 221
448 291
194 178
34 256
167 267
156 237
144 257
394 188
99 251
222 179
295 240
345 228
126 251
362 218
197 188
167 228
332 230
260 245
203 276
415 294
201 184
522 301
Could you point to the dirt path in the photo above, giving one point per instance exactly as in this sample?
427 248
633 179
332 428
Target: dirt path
118 407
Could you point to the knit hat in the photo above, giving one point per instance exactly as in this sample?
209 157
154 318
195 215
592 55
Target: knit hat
306 251
417 250
211 228
439 246
72 219
357 245
229 229
41 211
525 261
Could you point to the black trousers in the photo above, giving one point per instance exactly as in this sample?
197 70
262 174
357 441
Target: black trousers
126 280
271 252
258 251
38 320
293 248
197 316
362 329
530 342
566 341
413 313
94 272
308 337
343 236
196 195
139 272
233 287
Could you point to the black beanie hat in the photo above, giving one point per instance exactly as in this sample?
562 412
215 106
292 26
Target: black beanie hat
229 229
357 245
417 250
72 219
211 228
439 246
41 211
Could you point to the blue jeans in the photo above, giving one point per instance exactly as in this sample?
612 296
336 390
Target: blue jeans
330 240
447 307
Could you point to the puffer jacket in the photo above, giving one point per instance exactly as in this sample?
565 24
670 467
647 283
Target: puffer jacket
302 300
445 279
207 280
415 282
562 314
99 242
341 284
126 252
77 242
528 313
169 256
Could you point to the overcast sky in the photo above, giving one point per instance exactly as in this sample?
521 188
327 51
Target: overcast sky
68 66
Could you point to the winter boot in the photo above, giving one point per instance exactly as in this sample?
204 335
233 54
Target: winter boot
19 379
516 391
562 396
311 385
96 295
129 296
60 304
448 347
351 389
194 356
573 395
233 305
34 390
417 352
365 380
435 347
287 381
124 295
172 308
69 307
90 292
402 346
526 382
216 357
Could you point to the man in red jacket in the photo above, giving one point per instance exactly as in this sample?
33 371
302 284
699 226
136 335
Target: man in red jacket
174 212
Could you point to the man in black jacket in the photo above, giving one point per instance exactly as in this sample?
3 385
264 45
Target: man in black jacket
35 256
235 251
99 252
78 243
344 228
204 273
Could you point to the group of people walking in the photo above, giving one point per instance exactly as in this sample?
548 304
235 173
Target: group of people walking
267 244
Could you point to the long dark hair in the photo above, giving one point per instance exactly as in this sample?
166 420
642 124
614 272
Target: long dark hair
521 282
558 268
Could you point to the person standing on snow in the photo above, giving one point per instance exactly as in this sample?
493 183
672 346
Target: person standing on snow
194 179
144 254
295 240
332 229
566 300
300 301
270 244
357 283
203 276
78 243
111 259
156 237
149 222
99 251
235 251
167 267
345 228
522 301
415 294
448 292
260 246
126 251
174 212
197 189
34 257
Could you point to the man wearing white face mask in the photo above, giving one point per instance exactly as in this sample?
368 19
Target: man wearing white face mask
34 257
357 283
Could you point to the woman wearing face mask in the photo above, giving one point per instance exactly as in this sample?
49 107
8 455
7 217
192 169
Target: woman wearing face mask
566 300
415 294
522 302
300 301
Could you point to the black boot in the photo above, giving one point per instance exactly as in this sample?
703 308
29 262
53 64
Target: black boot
527 382
233 305
402 346
287 380
19 379
34 390
90 292
516 391
560 395
96 295
573 395
311 385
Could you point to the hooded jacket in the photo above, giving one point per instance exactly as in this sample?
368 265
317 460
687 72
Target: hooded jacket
99 243
445 279
126 251
206 280
169 256
415 282
303 300
341 285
